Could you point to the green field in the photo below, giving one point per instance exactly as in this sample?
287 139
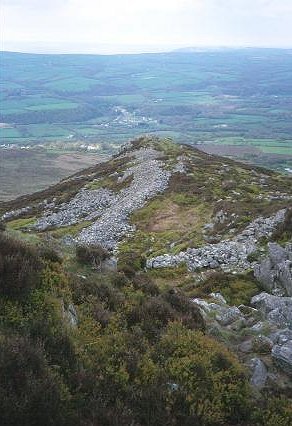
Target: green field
239 97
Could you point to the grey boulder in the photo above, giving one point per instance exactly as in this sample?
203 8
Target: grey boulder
282 355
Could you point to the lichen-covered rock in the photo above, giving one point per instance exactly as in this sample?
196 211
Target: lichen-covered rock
275 271
282 355
70 315
262 344
228 315
259 373
277 310
224 314
218 296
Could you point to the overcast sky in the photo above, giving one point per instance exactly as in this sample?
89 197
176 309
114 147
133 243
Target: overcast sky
107 26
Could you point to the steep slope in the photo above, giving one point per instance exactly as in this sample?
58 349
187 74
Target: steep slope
162 235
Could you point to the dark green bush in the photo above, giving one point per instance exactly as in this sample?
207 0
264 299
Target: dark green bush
146 284
20 267
189 312
131 262
49 254
91 254
32 393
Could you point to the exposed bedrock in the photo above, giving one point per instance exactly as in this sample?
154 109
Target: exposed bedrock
275 271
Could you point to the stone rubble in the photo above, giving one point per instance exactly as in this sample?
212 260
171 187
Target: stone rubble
227 254
149 179
86 205
15 213
18 212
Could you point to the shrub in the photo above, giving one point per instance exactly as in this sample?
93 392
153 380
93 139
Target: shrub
189 312
211 387
100 314
273 410
32 394
119 279
20 267
146 284
131 262
111 297
91 254
152 315
48 253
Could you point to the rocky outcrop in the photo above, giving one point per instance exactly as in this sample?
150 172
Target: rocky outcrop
275 271
70 315
277 310
228 254
224 314
266 332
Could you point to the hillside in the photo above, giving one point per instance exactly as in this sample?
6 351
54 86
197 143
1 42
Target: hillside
151 289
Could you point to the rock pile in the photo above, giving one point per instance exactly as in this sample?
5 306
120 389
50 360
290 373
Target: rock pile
15 213
149 179
86 205
228 254
18 212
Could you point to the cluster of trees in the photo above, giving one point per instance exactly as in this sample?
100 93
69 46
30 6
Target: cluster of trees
137 356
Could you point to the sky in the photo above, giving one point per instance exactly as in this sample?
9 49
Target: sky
126 26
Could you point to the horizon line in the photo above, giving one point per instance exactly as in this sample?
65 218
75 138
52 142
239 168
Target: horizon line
156 49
